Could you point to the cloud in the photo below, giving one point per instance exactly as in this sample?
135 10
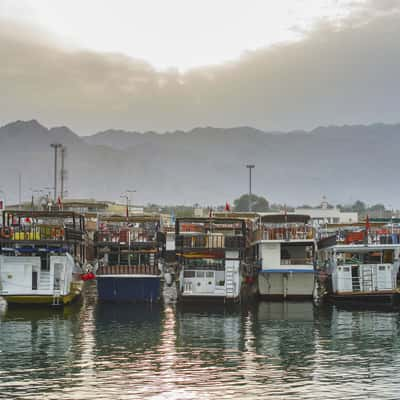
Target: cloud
336 75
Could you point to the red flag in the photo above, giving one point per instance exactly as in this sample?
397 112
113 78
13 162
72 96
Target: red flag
59 202
27 220
227 207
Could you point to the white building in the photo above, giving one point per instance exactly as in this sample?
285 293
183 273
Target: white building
324 215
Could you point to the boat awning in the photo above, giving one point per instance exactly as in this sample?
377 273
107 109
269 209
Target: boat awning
288 270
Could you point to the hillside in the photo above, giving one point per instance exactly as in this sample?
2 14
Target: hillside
207 165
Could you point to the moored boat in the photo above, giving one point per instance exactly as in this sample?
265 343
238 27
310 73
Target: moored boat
360 267
129 250
211 258
41 257
284 246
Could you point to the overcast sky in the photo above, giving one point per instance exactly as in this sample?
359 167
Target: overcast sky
157 65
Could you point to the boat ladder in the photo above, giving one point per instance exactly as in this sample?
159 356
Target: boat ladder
229 283
56 298
367 280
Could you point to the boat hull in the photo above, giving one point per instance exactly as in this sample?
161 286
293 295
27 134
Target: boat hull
283 285
390 299
46 300
125 288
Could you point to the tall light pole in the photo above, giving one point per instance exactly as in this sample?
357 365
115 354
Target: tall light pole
128 192
62 172
55 146
250 167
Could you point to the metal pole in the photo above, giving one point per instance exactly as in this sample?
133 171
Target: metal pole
55 146
19 190
250 167
62 171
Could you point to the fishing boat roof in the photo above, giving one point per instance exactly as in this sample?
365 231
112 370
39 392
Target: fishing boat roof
131 218
362 248
234 214
285 218
42 214
214 220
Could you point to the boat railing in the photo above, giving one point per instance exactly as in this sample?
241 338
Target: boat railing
122 236
41 232
205 267
284 233
297 261
143 269
369 284
209 242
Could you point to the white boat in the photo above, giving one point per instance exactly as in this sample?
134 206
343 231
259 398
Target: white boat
361 269
41 256
211 258
284 247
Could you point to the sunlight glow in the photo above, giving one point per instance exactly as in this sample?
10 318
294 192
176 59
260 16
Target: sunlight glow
177 33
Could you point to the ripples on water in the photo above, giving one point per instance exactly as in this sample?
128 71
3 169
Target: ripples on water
269 350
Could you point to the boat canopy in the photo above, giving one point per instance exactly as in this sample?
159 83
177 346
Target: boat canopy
285 218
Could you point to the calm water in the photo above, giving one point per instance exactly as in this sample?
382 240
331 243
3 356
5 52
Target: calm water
274 350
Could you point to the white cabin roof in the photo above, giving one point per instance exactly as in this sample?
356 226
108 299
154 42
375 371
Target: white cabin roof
362 248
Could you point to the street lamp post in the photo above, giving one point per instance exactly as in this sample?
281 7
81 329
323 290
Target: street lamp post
55 146
128 192
250 167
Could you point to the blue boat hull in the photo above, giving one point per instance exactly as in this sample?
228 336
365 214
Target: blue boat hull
128 289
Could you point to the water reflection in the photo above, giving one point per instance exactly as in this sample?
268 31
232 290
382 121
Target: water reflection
274 350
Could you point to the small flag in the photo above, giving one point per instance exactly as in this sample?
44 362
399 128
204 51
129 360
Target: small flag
227 207
59 202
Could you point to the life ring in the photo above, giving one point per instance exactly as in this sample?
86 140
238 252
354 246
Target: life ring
6 232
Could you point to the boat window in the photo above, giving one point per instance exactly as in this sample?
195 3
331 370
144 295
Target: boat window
200 274
210 274
381 268
34 280
189 274
346 269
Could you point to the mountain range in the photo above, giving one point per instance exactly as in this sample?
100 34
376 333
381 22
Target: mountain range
207 165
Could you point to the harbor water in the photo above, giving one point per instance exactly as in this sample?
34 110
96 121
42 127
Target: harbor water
267 350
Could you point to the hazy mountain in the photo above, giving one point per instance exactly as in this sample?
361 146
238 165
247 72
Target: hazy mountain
207 165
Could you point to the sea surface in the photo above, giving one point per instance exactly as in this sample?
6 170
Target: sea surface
266 350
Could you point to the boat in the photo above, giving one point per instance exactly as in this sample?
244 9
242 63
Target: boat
42 255
211 259
284 247
359 267
129 251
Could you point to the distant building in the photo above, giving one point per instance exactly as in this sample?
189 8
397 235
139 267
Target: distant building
85 206
200 212
325 215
